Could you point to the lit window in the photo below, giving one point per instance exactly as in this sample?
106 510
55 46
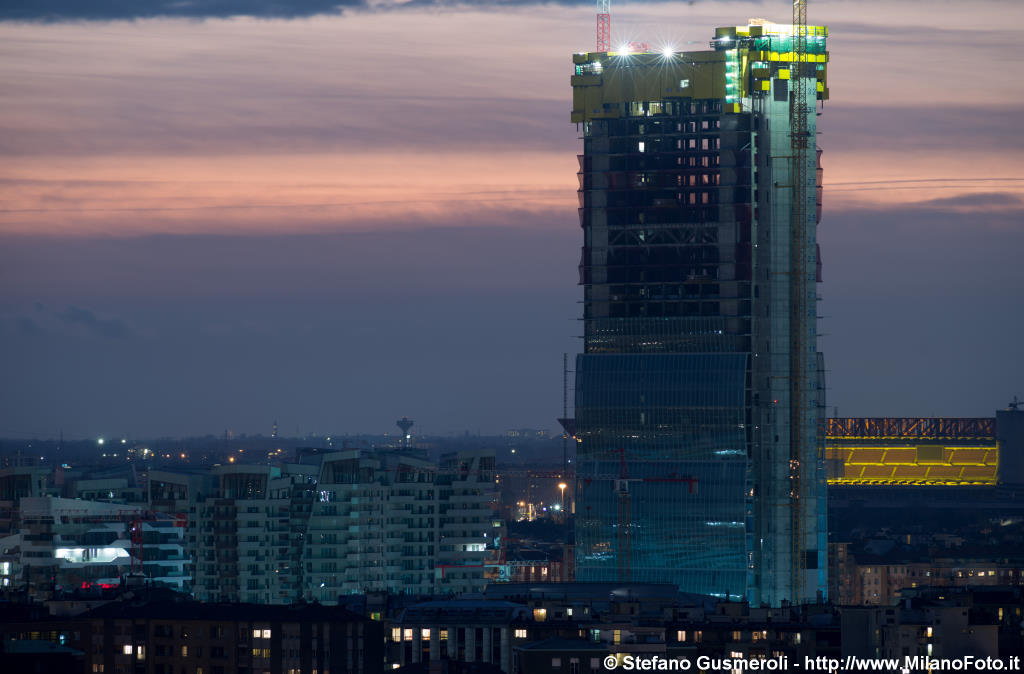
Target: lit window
140 652
681 635
127 649
256 634
407 634
396 634
540 614
266 634
617 637
520 634
444 635
184 651
425 633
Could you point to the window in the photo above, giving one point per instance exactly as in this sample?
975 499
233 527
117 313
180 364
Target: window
520 634
184 651
140 652
681 635
266 634
396 634
556 663
127 649
407 634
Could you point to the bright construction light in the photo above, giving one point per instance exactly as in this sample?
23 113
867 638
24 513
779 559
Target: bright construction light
624 48
668 52
100 441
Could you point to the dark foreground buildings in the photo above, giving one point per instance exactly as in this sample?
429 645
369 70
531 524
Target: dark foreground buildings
144 636
699 395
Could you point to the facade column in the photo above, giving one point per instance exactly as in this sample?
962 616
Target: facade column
470 644
453 642
435 643
506 651
417 643
488 633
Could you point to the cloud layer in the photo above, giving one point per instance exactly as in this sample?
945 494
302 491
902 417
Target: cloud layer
107 10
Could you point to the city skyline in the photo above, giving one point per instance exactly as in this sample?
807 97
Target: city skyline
215 224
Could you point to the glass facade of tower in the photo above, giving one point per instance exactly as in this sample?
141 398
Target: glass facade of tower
679 411
670 428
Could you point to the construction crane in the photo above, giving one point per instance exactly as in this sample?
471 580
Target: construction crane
625 527
799 141
624 499
604 25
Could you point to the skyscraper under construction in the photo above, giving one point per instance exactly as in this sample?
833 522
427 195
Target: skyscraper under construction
700 389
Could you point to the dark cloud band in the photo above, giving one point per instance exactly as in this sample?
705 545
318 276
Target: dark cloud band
110 10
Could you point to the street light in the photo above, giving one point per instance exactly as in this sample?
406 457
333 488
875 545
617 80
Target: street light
561 488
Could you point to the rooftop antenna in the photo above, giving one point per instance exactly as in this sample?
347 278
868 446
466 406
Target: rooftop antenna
1015 404
604 25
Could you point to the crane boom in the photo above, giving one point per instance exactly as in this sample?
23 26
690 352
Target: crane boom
604 25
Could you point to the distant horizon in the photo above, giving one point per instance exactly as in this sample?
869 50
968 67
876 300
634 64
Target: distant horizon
114 440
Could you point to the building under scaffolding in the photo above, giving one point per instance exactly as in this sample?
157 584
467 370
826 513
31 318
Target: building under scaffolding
915 452
699 394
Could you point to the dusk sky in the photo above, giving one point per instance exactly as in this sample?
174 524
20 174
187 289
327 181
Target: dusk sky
210 221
